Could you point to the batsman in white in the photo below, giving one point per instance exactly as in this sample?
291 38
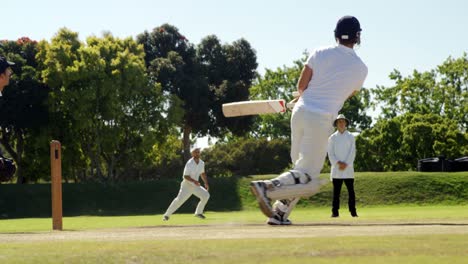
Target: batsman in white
194 168
331 76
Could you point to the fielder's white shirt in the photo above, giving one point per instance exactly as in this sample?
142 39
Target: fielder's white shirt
337 73
342 147
193 169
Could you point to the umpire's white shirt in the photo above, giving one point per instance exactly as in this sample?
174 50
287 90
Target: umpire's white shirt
337 73
342 147
193 169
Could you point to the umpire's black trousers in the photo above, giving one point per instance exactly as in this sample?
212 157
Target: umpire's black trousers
337 183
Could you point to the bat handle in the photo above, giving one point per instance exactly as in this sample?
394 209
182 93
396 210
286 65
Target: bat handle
291 104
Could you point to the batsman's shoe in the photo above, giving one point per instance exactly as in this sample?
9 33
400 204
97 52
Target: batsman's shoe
258 189
201 216
165 218
276 220
273 221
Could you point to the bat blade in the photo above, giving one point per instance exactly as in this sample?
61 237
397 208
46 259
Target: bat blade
254 107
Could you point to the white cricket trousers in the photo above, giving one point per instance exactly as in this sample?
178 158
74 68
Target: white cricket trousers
186 190
309 139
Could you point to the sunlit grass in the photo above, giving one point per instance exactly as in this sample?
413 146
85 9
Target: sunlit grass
410 213
421 249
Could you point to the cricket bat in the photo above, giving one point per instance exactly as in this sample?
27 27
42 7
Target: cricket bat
255 107
258 107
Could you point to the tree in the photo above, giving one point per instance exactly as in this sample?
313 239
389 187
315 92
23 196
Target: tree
101 96
24 112
379 148
201 78
229 70
171 62
397 144
442 91
454 89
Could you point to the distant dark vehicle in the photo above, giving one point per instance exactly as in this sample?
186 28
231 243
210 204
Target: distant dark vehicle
460 164
442 164
435 164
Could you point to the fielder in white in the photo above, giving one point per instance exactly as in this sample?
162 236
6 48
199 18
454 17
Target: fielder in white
194 168
331 75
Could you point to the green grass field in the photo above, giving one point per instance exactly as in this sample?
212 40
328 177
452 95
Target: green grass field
412 213
425 247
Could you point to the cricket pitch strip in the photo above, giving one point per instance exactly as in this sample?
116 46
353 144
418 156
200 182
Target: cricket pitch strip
242 231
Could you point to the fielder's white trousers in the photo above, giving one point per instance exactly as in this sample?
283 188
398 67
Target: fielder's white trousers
309 139
186 190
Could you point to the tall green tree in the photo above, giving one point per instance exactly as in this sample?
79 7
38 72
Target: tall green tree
229 70
101 96
24 111
199 79
397 144
442 91
171 62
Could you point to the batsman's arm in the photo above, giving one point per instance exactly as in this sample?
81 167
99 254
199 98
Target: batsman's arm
353 93
304 79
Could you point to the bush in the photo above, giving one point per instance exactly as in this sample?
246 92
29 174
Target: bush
247 157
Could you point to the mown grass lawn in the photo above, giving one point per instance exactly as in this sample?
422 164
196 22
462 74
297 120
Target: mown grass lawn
421 248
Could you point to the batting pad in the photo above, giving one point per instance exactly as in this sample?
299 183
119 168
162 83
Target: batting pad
255 107
296 190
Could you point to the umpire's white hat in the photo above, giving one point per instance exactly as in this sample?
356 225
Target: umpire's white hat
193 148
341 116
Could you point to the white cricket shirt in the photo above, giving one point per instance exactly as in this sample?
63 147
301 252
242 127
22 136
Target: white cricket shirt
342 147
337 73
193 169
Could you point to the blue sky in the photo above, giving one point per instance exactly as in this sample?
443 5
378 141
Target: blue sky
398 34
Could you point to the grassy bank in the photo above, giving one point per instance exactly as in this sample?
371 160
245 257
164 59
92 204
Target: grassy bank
386 188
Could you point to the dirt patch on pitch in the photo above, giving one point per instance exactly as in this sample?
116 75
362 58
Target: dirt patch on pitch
240 231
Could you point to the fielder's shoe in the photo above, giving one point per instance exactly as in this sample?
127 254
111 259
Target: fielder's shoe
258 189
354 214
201 216
165 218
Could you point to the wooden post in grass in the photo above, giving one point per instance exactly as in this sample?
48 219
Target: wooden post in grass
56 178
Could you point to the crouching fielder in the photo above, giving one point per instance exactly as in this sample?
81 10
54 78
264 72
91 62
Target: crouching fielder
331 75
194 168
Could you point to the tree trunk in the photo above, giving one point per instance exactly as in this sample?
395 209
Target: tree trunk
186 142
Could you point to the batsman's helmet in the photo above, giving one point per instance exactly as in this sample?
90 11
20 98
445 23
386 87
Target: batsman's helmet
4 64
347 27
